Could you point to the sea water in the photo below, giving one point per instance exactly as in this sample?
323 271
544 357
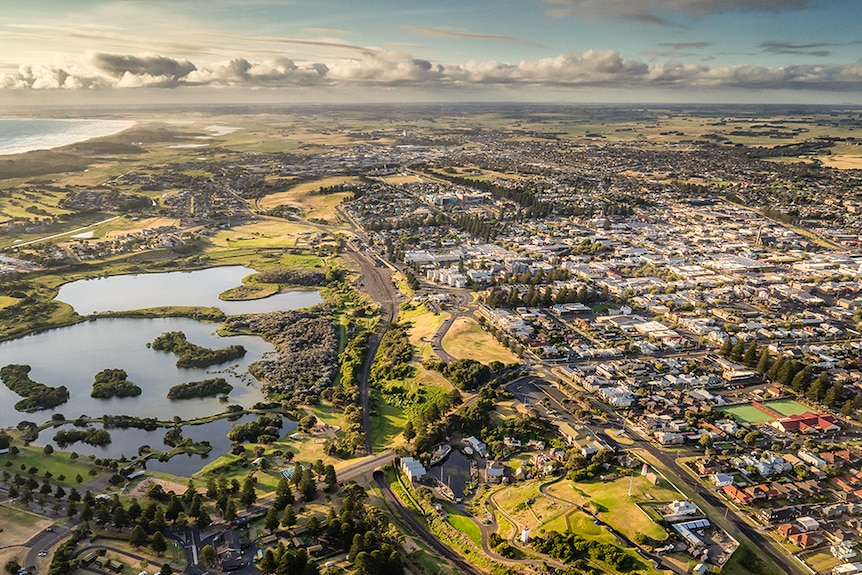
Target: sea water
18 135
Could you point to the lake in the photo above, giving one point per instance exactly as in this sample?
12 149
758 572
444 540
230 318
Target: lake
72 356
195 288
125 442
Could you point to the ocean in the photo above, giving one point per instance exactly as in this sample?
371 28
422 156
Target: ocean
18 135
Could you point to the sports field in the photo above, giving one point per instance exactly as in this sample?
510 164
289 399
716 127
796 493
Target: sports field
747 413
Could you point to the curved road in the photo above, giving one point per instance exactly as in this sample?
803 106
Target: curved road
420 530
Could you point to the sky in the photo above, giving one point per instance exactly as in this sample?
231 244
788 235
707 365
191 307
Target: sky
673 51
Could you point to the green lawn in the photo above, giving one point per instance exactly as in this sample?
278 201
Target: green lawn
746 413
6 301
613 505
749 414
464 524
787 407
387 421
63 469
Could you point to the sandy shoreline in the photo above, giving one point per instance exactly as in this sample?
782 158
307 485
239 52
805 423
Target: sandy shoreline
78 131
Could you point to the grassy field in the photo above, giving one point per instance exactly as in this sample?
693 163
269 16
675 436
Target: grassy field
466 339
821 561
387 421
746 413
319 206
6 301
464 524
612 503
787 407
423 325
63 469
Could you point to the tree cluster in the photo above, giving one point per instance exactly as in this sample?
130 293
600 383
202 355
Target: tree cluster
114 383
574 549
191 355
36 395
204 388
307 347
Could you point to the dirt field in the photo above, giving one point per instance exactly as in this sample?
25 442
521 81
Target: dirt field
19 526
135 227
141 488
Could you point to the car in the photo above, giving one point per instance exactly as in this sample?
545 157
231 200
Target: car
43 553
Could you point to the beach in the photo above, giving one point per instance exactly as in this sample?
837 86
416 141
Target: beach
19 135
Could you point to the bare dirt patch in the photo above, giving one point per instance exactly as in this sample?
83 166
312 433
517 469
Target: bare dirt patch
141 488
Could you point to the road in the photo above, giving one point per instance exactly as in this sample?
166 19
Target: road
419 530
43 542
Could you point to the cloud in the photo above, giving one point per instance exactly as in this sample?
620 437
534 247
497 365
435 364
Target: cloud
430 32
789 48
660 11
161 69
575 70
686 45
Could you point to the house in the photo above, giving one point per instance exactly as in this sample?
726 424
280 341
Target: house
722 479
412 468
669 438
847 569
787 529
477 446
808 524
811 458
682 508
495 471
709 466
737 494
783 514
804 540
843 551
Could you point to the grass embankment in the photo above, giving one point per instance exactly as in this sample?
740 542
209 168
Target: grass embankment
466 339
464 524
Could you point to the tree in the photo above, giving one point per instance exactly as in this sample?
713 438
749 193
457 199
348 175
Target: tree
138 537
725 348
705 441
751 437
283 494
308 485
203 520
48 450
267 563
737 351
749 358
167 569
230 510
120 517
312 524
271 522
208 555
330 477
289 519
409 432
248 495
764 362
158 543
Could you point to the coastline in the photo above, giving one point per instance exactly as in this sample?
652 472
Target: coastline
79 130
